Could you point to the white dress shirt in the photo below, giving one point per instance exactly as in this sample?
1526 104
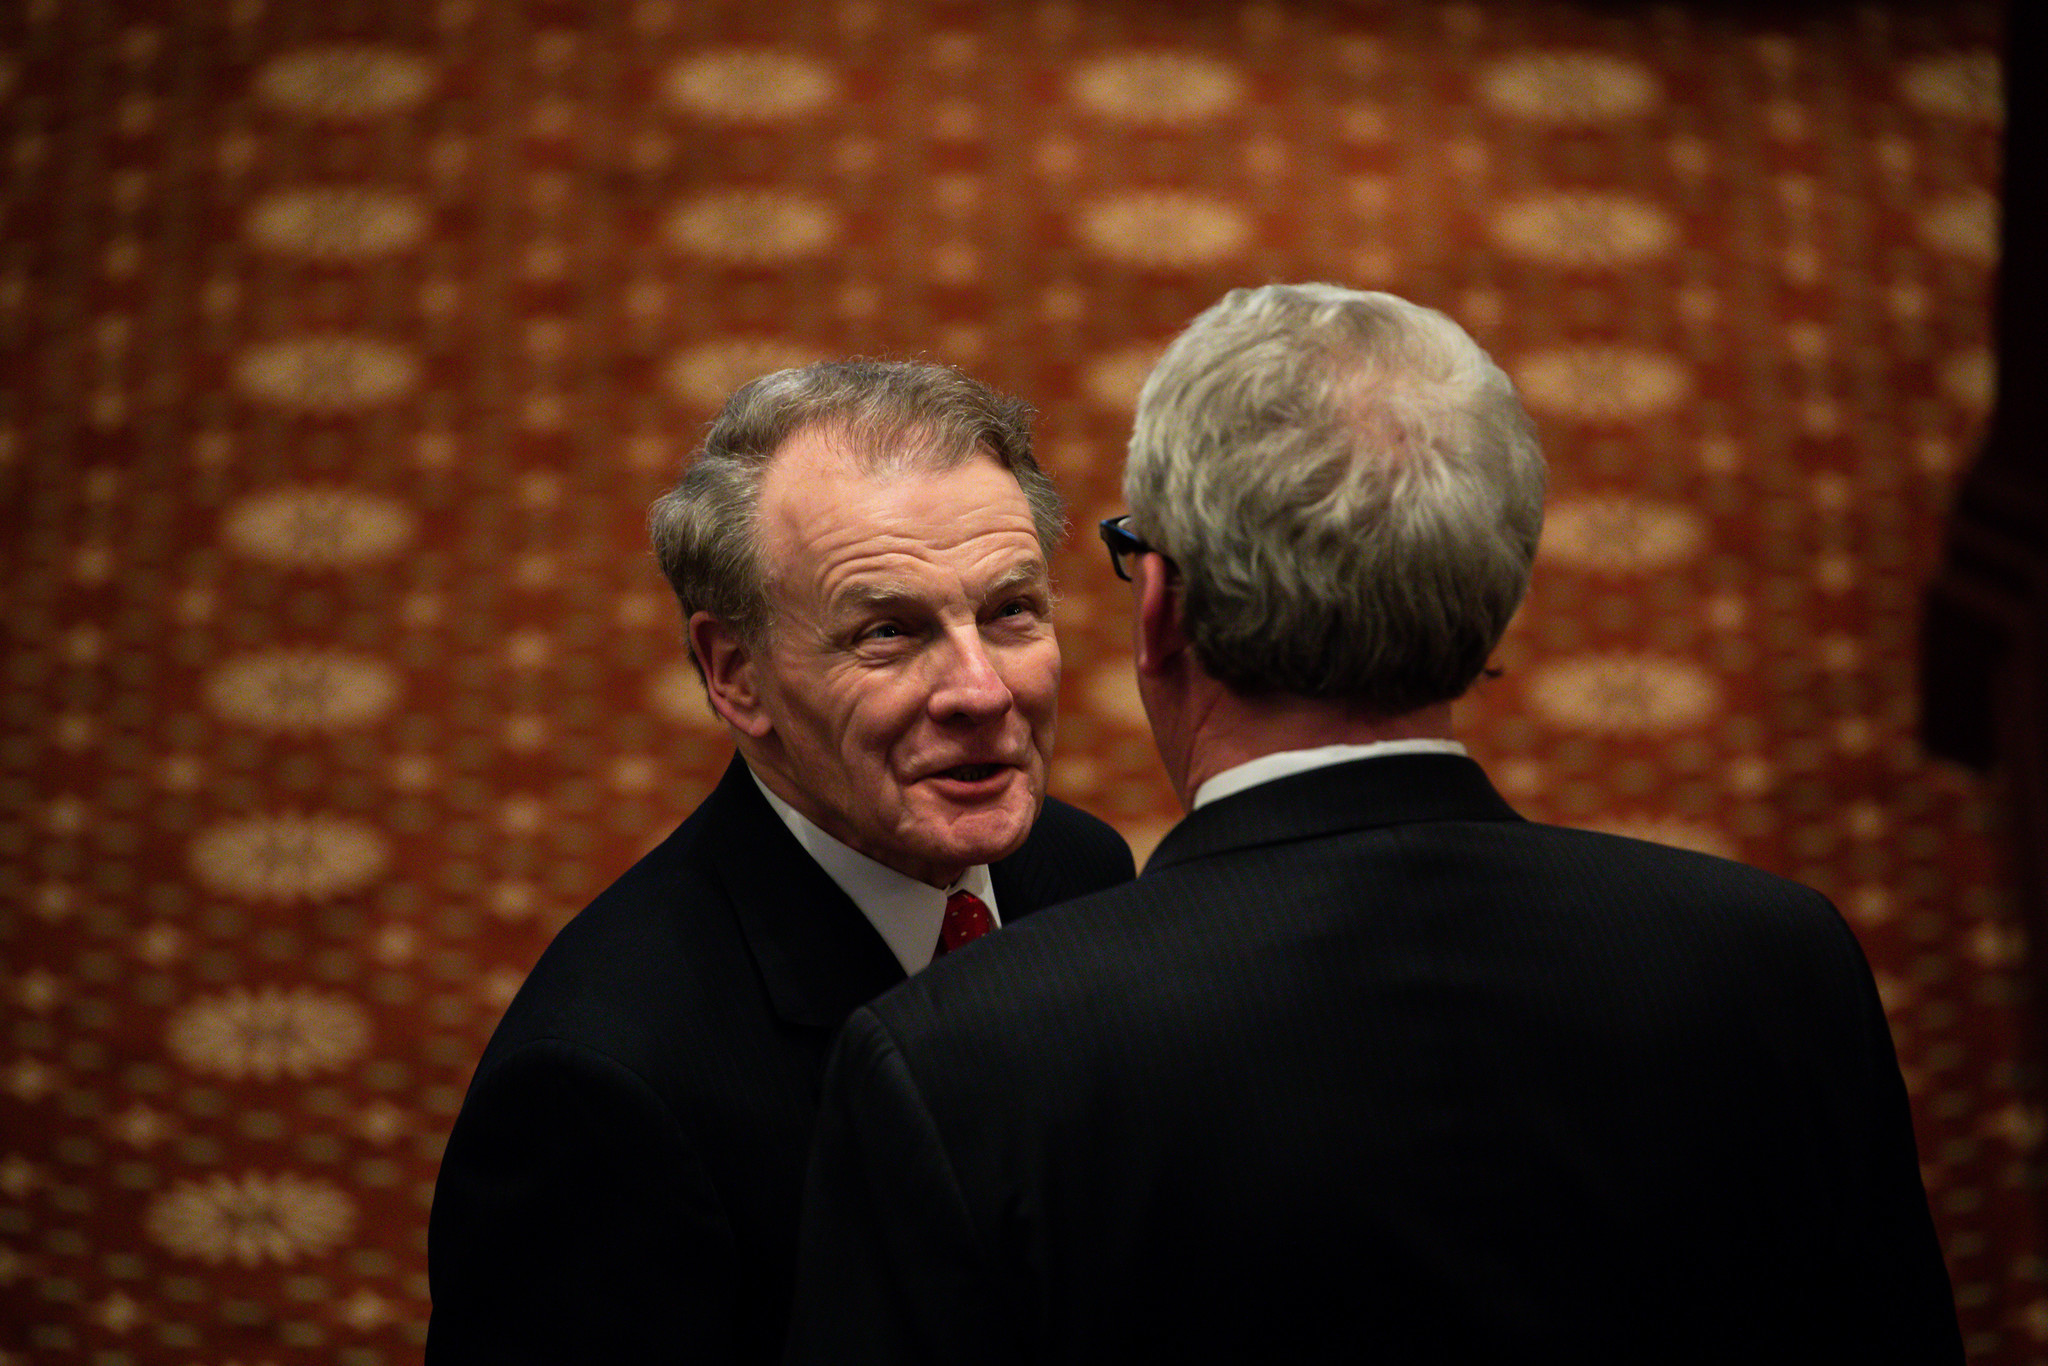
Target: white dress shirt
1287 762
904 911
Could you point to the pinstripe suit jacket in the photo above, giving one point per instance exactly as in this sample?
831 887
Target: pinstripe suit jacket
1365 1067
622 1183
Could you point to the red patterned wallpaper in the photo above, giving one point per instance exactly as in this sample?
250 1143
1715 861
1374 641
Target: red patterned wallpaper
346 343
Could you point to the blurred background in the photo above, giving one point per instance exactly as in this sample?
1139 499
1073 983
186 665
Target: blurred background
345 344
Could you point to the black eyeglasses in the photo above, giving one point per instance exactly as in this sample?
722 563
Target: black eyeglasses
1122 544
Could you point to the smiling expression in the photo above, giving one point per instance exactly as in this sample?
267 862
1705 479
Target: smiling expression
909 674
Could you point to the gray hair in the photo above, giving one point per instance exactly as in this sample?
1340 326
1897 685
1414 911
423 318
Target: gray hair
891 416
1350 488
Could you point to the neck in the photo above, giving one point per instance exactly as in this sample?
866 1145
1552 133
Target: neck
777 782
1225 730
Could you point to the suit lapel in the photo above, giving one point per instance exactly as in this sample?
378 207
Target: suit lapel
1364 793
1024 882
818 956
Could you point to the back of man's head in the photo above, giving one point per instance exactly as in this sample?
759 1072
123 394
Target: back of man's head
1350 490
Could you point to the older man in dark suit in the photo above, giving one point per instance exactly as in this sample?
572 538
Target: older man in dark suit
1365 1067
860 552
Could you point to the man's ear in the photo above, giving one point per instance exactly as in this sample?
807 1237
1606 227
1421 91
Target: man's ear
728 666
1160 641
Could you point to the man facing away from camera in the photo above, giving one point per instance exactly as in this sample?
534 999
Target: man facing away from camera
1364 1066
861 554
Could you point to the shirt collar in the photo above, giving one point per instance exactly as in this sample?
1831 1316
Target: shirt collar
1288 762
904 911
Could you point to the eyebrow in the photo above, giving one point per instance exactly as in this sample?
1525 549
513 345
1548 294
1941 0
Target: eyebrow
1029 574
873 596
868 597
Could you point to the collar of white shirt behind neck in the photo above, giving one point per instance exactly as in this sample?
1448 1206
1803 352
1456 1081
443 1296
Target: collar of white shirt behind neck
905 912
1288 762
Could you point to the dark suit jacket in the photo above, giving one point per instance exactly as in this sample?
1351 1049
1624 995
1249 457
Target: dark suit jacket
1366 1068
623 1181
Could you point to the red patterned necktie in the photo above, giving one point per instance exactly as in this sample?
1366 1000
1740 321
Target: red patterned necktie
967 918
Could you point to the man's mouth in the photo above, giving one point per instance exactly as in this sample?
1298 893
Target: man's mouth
972 773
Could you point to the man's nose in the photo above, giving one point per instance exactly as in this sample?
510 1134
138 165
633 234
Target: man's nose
969 686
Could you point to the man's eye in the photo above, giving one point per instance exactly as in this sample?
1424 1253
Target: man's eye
887 630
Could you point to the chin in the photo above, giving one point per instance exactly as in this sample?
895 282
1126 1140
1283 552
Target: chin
986 838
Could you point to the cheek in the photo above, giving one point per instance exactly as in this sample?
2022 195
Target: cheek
883 717
1037 685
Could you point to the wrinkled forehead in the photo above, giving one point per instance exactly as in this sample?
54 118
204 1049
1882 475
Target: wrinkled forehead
856 457
828 503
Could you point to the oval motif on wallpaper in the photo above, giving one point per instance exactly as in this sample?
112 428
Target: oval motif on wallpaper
1163 229
754 227
326 375
1112 690
284 856
1620 534
1971 379
318 526
1963 85
269 1033
341 223
1624 693
1602 383
1569 87
1115 378
345 81
751 85
1964 225
1678 834
1170 88
706 375
301 690
250 1219
1583 229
